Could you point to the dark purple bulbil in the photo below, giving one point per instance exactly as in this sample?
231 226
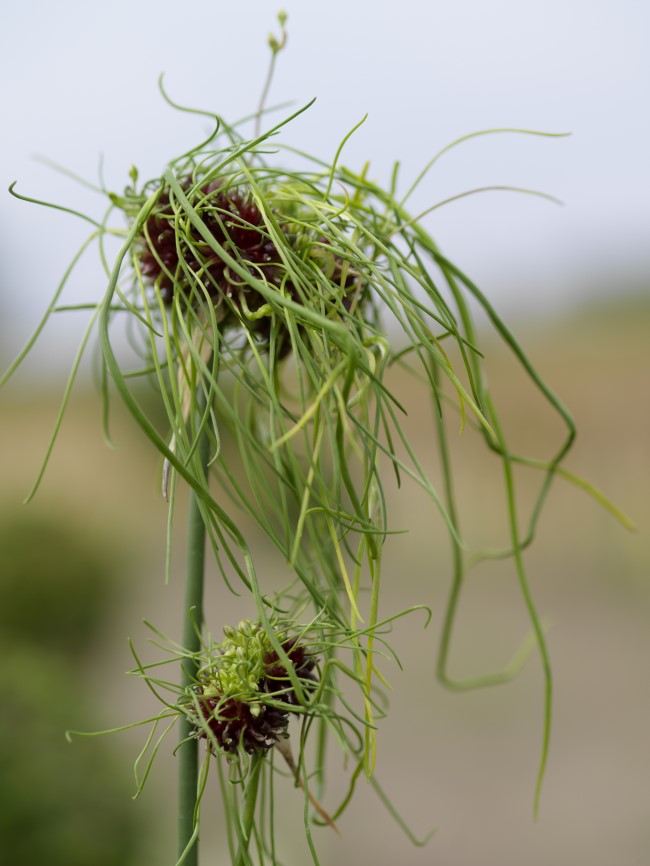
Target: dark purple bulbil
276 679
234 221
235 724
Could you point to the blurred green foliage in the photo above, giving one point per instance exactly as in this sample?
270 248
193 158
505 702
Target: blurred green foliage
60 804
56 584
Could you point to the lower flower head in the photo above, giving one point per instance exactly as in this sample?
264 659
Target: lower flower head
245 694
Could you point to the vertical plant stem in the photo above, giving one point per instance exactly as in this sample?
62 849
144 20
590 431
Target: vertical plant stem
249 801
192 619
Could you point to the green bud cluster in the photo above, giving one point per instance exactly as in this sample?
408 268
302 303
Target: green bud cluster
238 665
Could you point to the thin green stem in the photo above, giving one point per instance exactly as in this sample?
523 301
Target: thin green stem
188 771
248 807
530 606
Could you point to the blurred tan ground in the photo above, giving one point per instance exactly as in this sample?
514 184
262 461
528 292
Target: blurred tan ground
463 763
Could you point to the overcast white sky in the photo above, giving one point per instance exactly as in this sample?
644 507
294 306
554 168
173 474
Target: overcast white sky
79 79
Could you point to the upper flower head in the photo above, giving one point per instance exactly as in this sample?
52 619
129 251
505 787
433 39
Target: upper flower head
271 245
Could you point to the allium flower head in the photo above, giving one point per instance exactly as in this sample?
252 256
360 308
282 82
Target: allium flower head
244 695
174 257
234 221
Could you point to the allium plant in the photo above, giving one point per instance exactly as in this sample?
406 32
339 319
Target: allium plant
267 293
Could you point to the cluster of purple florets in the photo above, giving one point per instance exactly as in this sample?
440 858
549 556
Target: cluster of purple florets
186 262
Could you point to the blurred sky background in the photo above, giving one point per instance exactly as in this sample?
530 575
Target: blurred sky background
79 81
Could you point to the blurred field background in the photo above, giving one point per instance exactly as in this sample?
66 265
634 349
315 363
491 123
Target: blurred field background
83 565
